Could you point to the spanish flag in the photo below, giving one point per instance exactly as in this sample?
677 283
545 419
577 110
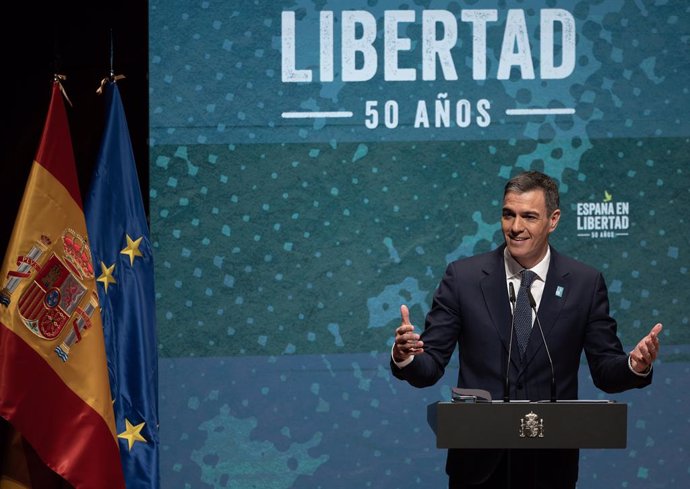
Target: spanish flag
54 388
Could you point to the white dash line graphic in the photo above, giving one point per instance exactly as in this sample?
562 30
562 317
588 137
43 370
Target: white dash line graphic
564 111
316 115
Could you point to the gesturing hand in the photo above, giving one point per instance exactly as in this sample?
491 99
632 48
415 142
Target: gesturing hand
407 342
646 351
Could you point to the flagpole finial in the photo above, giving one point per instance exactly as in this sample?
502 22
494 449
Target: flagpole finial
108 79
112 77
58 78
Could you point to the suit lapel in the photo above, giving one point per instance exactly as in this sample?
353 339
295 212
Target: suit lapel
496 298
553 299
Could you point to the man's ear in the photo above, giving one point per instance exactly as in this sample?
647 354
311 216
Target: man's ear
555 218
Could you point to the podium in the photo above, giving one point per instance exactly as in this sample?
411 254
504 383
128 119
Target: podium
522 424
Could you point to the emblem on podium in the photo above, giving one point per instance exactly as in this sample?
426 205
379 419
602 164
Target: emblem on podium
531 426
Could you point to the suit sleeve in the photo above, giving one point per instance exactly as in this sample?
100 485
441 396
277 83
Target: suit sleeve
440 336
608 363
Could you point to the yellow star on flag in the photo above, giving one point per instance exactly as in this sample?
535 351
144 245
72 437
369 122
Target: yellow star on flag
132 249
106 277
132 433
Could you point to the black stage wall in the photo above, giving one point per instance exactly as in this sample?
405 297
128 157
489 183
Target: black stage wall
73 38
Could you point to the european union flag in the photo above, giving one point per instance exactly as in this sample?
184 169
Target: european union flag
123 261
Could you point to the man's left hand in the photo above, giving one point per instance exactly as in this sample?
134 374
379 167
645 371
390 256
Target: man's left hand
646 351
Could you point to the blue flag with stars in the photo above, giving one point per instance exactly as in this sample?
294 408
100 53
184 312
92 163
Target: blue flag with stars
123 262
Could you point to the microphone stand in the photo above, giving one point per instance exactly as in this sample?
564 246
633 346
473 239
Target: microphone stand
533 305
506 386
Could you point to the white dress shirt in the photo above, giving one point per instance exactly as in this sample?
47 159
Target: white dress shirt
513 269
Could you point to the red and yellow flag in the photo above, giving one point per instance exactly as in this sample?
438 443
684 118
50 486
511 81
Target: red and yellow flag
54 386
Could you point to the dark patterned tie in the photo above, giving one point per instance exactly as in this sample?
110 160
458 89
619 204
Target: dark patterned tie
523 311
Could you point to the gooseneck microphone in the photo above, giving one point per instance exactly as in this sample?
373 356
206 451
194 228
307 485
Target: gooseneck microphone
533 305
506 385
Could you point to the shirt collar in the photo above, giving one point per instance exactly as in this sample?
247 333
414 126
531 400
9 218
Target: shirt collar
513 268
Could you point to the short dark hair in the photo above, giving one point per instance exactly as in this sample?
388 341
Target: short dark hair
532 180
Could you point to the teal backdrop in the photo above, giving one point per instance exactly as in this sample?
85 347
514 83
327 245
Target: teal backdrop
315 164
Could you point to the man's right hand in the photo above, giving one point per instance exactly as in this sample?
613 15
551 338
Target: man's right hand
407 343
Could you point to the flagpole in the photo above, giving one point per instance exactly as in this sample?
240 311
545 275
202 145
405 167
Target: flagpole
112 54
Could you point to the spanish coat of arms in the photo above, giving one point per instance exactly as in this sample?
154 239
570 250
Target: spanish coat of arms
531 426
54 294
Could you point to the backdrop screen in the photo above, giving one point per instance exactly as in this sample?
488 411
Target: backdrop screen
315 164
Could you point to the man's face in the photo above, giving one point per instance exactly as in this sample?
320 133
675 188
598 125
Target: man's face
526 226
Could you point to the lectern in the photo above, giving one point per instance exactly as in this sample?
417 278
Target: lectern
521 424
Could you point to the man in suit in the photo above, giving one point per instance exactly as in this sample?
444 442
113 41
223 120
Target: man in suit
472 309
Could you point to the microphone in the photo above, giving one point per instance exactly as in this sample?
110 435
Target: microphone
506 386
533 305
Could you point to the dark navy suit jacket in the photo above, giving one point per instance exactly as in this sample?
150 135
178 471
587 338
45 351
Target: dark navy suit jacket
471 310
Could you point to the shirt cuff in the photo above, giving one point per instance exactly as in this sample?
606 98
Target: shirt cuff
402 364
639 374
